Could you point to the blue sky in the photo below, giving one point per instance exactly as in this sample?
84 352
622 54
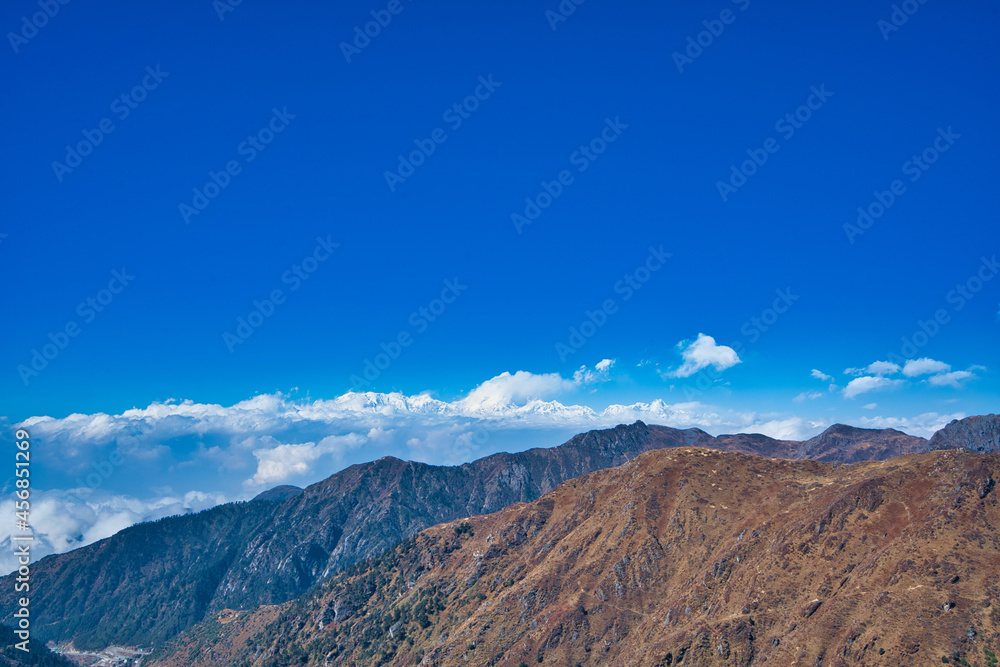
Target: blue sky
623 142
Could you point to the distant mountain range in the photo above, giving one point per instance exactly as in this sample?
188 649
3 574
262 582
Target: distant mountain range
684 557
146 584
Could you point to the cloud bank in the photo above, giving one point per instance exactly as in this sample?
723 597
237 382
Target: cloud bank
875 376
205 453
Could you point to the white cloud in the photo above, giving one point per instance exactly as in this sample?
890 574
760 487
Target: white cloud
585 376
873 377
877 368
940 373
678 415
702 353
282 463
870 406
880 368
506 390
807 396
820 375
923 425
953 379
450 445
924 366
793 428
863 385
65 520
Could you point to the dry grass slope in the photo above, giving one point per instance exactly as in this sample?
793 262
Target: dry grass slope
686 557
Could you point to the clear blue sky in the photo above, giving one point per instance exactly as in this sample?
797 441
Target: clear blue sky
324 176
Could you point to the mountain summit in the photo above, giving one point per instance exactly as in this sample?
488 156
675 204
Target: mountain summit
849 444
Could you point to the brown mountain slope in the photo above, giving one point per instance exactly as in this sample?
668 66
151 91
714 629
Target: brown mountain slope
680 557
149 582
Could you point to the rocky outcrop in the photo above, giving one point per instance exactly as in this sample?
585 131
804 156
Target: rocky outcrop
977 434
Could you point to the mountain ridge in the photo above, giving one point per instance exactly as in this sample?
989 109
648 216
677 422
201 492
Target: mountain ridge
685 556
149 582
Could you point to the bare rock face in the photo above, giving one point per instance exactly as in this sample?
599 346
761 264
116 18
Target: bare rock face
977 434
